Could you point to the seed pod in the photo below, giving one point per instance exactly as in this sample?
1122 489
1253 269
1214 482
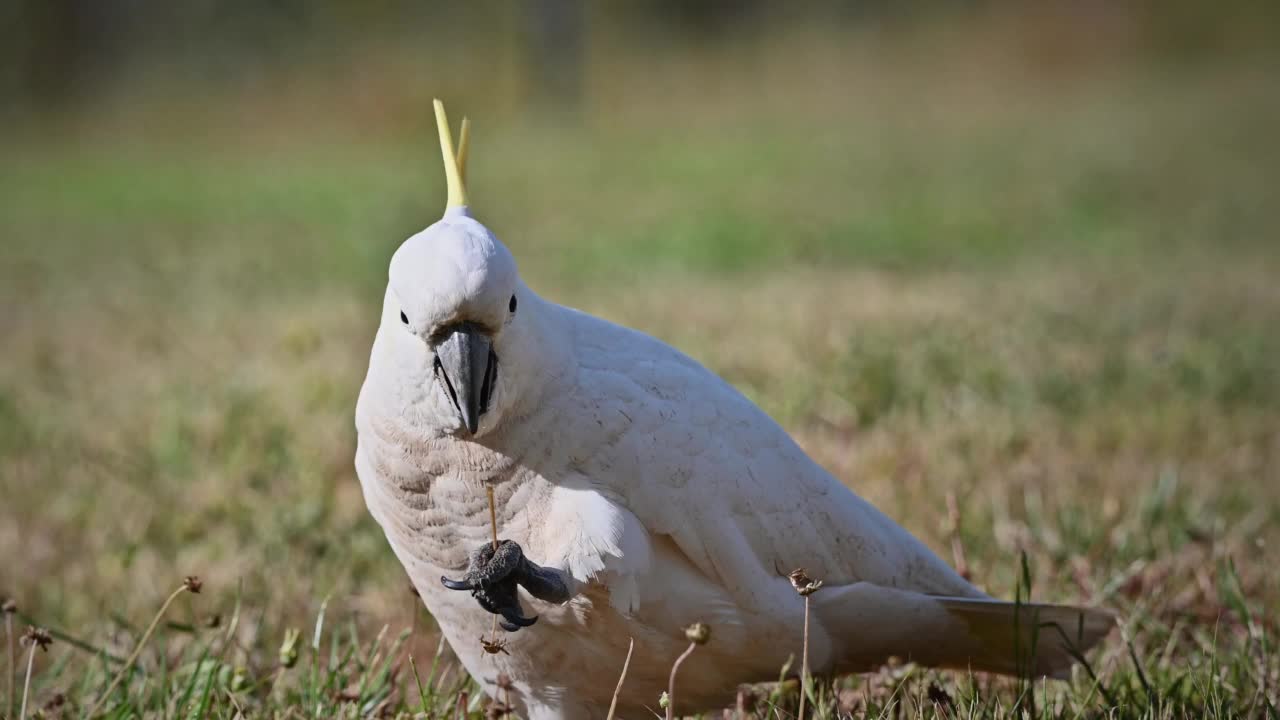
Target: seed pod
698 633
803 584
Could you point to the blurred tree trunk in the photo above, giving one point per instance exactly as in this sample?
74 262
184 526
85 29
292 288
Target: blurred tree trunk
62 49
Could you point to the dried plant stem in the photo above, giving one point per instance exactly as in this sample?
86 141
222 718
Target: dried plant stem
232 697
493 514
133 657
26 685
804 661
493 526
613 704
671 682
957 544
805 586
406 653
13 661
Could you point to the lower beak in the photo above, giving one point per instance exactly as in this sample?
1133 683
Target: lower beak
465 362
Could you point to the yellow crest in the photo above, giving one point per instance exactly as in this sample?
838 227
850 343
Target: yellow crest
455 163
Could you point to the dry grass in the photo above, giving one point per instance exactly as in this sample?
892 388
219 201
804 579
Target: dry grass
1051 297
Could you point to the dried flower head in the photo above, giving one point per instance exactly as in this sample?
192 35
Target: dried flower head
497 710
849 702
9 607
698 633
239 679
803 584
504 681
940 697
289 648
192 583
745 702
495 646
37 636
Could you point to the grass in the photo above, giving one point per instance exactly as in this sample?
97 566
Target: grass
1050 298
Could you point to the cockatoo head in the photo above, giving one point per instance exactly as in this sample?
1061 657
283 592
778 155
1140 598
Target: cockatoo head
452 311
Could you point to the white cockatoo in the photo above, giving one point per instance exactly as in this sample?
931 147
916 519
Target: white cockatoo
636 493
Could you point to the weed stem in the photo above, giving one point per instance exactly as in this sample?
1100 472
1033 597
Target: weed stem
958 555
804 586
12 666
493 526
671 682
613 704
804 661
493 515
187 585
26 684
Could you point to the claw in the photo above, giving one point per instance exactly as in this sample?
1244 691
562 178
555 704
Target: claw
513 620
514 614
493 577
455 584
542 583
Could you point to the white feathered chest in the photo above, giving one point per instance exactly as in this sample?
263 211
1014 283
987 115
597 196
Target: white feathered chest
429 495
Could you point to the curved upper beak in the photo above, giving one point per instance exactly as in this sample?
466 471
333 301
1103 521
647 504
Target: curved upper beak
465 361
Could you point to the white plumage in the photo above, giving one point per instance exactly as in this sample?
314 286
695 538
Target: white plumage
663 493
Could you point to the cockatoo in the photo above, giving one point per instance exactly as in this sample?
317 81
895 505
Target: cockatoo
636 493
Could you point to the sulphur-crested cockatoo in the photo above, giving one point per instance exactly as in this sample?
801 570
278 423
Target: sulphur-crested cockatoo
636 493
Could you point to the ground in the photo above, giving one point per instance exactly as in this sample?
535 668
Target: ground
1027 316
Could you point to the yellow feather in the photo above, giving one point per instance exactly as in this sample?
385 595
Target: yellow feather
464 138
452 174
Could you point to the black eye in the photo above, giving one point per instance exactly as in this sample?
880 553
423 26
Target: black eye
404 318
511 306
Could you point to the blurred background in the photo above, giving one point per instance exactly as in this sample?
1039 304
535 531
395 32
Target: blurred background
1019 259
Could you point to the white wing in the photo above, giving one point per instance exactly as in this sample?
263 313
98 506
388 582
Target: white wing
732 505
699 462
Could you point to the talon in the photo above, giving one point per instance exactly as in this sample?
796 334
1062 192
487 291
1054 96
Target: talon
494 575
513 620
542 583
515 615
455 584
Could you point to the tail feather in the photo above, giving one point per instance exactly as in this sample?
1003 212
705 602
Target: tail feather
868 624
1028 638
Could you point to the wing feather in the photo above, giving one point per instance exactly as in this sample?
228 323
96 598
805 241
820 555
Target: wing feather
699 462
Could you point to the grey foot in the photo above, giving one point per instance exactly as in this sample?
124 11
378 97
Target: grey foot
492 577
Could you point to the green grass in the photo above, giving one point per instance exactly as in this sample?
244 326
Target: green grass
1055 303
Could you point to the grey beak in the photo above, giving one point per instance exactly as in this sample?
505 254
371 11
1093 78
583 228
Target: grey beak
467 366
